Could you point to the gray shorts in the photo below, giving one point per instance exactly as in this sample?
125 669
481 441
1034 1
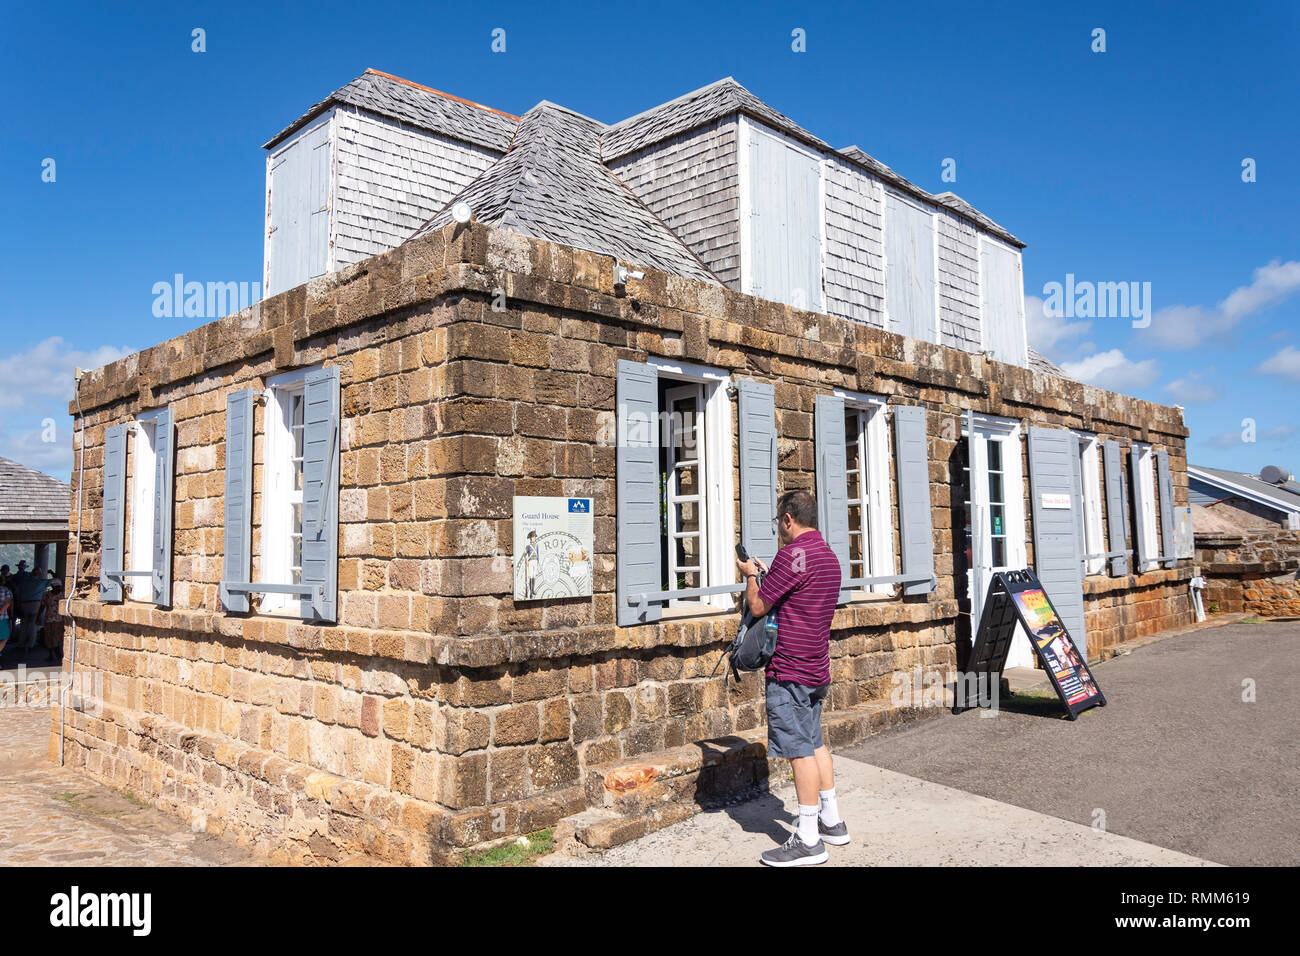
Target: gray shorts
794 718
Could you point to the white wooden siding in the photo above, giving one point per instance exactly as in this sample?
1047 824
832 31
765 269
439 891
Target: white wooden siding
853 259
691 182
959 282
391 179
785 220
1003 302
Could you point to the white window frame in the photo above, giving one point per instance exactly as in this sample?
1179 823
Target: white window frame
718 482
1146 503
873 490
1011 436
891 324
1094 533
275 565
144 476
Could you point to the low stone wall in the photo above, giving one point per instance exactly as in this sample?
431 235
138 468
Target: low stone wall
1256 572
1125 608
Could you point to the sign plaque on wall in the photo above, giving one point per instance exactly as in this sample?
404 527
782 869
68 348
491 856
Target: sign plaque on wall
552 548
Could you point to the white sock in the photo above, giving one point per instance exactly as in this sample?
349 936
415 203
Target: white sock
808 825
830 809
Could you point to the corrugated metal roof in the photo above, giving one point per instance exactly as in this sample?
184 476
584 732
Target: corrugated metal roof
420 106
28 496
1286 500
552 185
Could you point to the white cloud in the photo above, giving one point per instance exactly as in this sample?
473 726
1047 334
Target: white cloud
44 371
1114 371
1280 434
1224 440
1048 332
1191 388
1285 363
1187 326
35 388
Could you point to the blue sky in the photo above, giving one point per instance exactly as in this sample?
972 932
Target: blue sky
1115 166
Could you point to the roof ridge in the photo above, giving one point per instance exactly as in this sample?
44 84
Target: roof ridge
450 96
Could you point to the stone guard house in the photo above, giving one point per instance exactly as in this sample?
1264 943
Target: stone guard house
297 530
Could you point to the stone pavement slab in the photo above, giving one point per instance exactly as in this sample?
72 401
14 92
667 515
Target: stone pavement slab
54 817
894 820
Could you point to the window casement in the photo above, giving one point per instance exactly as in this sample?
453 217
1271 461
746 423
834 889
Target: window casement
867 471
1144 511
138 565
1091 534
675 484
851 454
298 560
282 485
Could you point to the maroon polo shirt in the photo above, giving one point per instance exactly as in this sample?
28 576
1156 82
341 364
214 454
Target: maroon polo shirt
803 585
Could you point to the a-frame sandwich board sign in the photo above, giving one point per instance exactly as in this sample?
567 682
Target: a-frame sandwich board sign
1018 597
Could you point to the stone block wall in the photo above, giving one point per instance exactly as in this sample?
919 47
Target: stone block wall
1256 572
438 713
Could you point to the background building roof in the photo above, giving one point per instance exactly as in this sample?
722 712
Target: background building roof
29 497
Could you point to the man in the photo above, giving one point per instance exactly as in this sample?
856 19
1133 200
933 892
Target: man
803 586
28 589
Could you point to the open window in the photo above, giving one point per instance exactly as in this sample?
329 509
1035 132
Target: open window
1146 527
298 563
282 486
868 474
1091 533
138 565
675 484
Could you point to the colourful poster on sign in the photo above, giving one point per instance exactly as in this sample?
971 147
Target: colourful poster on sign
552 548
1054 646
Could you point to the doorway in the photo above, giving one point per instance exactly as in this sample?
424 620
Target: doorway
992 486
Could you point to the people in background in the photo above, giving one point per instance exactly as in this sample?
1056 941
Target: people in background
51 620
6 614
28 588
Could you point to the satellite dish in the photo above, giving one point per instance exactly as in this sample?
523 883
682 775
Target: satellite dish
1274 475
461 212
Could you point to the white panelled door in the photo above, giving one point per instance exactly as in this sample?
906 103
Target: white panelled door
785 221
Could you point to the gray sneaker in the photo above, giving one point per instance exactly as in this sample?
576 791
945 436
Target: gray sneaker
794 852
837 835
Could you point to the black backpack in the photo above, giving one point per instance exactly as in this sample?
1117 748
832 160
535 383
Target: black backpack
754 644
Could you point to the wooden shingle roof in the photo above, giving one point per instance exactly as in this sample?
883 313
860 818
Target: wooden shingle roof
28 497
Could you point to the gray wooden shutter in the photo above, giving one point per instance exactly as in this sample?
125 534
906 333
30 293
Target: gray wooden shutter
113 527
1143 546
832 480
1166 507
163 497
912 453
637 486
758 468
320 492
1056 550
1115 508
237 565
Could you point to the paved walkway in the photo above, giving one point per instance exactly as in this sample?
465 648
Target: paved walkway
1178 769
894 820
54 817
